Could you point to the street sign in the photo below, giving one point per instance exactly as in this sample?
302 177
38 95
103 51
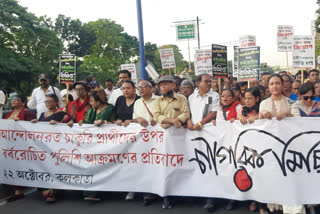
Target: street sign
186 31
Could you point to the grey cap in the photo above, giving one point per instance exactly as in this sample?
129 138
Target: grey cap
166 79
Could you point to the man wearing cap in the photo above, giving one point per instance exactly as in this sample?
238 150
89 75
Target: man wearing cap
78 108
38 95
170 109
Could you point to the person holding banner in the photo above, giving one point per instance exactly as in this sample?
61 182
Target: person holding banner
100 113
248 114
124 104
143 108
229 107
204 104
53 116
250 111
79 107
187 88
19 112
277 105
170 109
228 112
306 106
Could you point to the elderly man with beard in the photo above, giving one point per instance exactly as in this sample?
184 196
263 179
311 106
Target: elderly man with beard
170 109
38 95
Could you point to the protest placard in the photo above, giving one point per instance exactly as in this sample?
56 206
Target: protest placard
67 68
247 41
235 61
167 58
132 69
219 61
284 38
303 52
249 64
203 62
152 72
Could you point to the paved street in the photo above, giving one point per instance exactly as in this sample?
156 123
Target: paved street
71 202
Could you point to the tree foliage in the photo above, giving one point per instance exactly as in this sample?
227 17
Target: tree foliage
27 47
30 45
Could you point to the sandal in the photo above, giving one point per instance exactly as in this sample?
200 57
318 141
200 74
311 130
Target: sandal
253 206
49 195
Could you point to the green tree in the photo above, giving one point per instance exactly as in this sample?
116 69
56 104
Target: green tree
27 48
111 48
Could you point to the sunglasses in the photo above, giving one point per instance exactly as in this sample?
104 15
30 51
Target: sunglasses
309 97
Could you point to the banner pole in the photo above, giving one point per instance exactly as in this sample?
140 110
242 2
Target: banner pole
219 83
249 84
67 92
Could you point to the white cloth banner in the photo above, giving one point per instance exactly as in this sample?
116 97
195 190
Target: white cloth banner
203 62
167 58
303 52
268 161
284 38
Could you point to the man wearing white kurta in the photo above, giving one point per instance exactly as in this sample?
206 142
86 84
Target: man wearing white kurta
204 104
39 95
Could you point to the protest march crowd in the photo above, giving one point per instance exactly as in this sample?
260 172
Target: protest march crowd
175 101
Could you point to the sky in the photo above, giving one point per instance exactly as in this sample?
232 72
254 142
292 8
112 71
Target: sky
222 21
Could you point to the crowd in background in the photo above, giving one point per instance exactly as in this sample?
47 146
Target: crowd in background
170 101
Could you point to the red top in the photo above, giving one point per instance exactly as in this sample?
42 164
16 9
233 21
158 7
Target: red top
77 110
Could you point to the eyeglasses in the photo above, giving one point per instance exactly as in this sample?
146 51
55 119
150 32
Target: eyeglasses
80 89
309 97
207 81
142 87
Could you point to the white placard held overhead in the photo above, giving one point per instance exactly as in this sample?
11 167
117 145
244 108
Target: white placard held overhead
247 41
167 58
303 52
132 69
152 72
284 38
203 62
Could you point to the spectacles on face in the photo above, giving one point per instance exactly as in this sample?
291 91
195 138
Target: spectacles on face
207 81
309 97
142 87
